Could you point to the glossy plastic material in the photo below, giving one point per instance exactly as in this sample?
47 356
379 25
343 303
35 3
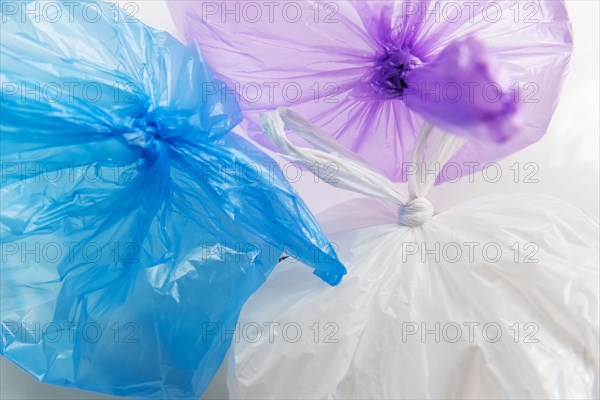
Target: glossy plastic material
134 224
495 298
370 72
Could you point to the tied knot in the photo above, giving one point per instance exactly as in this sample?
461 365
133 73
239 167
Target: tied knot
392 69
146 136
415 212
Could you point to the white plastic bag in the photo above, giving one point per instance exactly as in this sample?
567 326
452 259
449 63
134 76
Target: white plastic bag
495 298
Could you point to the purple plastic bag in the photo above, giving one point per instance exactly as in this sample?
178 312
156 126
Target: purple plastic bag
371 72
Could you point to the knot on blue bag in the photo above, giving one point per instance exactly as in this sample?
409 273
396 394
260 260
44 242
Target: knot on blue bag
415 213
149 134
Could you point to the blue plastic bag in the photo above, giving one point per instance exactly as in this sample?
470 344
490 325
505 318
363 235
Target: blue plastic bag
134 224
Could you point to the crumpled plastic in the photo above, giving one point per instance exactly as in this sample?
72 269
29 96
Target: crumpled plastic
371 72
134 224
495 298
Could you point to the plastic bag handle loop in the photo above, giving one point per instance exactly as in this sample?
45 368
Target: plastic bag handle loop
351 172
354 174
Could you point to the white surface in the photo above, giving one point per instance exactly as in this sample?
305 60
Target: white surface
567 160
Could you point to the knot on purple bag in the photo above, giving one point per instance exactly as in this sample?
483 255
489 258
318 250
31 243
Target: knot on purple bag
391 71
415 213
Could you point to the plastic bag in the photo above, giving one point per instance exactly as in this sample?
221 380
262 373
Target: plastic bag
495 298
134 223
370 72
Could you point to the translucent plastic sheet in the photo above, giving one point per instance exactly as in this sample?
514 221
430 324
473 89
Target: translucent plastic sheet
370 72
134 225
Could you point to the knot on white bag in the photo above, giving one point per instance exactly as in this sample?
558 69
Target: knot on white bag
415 212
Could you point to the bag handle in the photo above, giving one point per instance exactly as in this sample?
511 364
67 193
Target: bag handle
353 173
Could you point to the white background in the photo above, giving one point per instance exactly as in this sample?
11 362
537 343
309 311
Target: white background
567 159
